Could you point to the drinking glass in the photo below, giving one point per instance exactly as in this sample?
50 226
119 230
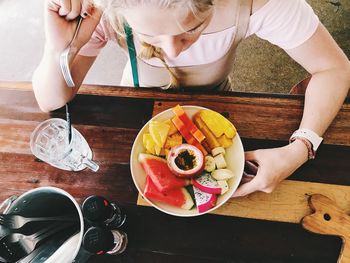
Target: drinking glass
50 143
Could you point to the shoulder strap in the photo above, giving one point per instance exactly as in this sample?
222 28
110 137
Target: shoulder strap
242 20
132 54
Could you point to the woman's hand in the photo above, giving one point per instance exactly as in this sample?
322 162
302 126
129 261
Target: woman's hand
272 166
60 22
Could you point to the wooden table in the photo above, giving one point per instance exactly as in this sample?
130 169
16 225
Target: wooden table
110 118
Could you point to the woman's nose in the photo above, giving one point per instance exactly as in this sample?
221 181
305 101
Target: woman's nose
173 46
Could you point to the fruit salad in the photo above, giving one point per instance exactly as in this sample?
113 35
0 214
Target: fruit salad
184 159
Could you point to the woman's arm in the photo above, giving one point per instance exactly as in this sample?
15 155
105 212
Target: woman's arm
328 88
330 82
49 86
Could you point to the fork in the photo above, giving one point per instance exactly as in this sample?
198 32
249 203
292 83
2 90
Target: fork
65 57
31 257
15 246
46 250
16 221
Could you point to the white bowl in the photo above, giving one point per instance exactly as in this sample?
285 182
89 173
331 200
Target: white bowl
234 157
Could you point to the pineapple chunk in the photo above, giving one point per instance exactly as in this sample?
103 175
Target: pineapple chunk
212 121
172 129
149 143
173 140
229 129
159 132
224 141
157 149
218 124
151 146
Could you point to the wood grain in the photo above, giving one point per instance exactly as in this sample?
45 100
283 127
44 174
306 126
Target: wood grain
282 112
275 118
87 110
287 203
22 172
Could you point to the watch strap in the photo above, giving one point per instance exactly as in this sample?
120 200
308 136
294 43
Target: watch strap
310 135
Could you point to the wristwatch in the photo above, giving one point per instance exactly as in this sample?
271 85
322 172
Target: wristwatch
311 140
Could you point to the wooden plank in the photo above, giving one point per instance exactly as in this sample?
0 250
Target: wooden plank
283 113
109 144
21 173
84 109
168 95
282 118
288 202
146 93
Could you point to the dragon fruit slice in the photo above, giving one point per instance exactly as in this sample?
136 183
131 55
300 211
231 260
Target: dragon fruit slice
207 184
204 201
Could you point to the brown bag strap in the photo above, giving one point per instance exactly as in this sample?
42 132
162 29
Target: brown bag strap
242 20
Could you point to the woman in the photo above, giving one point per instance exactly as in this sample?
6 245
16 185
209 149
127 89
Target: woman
192 43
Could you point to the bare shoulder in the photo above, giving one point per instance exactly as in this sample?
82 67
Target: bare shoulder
257 4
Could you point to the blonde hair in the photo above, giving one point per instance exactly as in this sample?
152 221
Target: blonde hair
112 11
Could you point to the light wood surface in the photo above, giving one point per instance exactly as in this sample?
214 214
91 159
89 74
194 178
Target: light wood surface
288 203
329 218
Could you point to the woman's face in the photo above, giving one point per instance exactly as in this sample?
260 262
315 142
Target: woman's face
173 30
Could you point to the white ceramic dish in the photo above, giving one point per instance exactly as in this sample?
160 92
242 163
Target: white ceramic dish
234 158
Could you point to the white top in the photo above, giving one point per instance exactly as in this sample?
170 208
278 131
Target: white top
285 23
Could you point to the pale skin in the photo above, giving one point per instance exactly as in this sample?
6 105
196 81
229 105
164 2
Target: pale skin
175 31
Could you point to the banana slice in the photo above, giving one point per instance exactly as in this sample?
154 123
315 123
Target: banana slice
217 151
224 186
209 165
220 161
222 174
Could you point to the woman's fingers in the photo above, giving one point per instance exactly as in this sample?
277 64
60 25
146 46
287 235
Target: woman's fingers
88 26
247 188
75 10
253 156
71 9
87 8
65 7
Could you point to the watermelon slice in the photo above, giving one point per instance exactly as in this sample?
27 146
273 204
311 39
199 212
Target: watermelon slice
177 197
204 201
157 168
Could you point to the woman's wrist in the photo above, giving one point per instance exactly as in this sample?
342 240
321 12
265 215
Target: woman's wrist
299 150
51 52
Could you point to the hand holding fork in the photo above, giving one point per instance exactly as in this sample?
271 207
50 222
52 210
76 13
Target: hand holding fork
63 20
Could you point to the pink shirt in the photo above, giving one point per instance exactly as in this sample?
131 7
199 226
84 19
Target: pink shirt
285 23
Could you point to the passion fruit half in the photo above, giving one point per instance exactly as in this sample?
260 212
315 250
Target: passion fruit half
186 161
